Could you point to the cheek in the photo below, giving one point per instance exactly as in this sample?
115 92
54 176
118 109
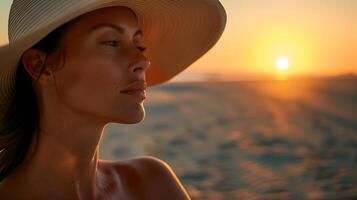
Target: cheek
90 84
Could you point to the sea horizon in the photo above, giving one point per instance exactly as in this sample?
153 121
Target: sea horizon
212 76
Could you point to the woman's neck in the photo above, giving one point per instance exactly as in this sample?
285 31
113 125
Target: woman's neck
65 161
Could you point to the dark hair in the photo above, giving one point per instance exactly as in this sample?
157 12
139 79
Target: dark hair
21 119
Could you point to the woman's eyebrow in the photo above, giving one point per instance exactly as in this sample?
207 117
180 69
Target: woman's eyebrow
118 28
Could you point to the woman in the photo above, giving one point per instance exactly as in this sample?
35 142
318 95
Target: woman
69 70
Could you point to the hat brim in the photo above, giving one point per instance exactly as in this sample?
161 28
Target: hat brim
176 34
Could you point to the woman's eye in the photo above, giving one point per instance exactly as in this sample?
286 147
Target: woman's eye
142 49
113 43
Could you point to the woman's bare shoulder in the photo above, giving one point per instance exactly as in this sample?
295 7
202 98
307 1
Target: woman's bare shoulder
152 175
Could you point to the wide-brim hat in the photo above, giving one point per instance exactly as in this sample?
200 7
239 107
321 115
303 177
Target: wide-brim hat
176 32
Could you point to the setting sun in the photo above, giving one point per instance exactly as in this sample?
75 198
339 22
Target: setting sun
282 64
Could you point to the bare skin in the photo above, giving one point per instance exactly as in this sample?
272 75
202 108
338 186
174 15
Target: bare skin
76 102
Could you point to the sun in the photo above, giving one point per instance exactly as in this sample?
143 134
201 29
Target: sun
282 64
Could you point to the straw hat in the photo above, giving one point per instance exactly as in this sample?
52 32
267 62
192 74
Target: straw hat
177 32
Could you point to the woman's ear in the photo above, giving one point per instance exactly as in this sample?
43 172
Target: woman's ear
34 61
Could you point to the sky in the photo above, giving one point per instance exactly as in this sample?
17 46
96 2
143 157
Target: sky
316 37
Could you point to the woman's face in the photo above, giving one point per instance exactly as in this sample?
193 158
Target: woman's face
103 57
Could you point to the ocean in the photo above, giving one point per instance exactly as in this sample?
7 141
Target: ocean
292 139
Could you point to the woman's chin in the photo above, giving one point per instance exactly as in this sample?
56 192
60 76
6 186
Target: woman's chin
131 115
134 118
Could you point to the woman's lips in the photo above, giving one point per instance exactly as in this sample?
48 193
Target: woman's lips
141 94
136 89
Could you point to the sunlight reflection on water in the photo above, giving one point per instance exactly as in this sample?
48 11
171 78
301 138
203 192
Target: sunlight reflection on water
250 140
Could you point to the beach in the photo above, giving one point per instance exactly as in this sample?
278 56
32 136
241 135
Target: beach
249 139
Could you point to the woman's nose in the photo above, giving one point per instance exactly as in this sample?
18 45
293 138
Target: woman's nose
141 65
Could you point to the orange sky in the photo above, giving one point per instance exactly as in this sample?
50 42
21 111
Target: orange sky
318 37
